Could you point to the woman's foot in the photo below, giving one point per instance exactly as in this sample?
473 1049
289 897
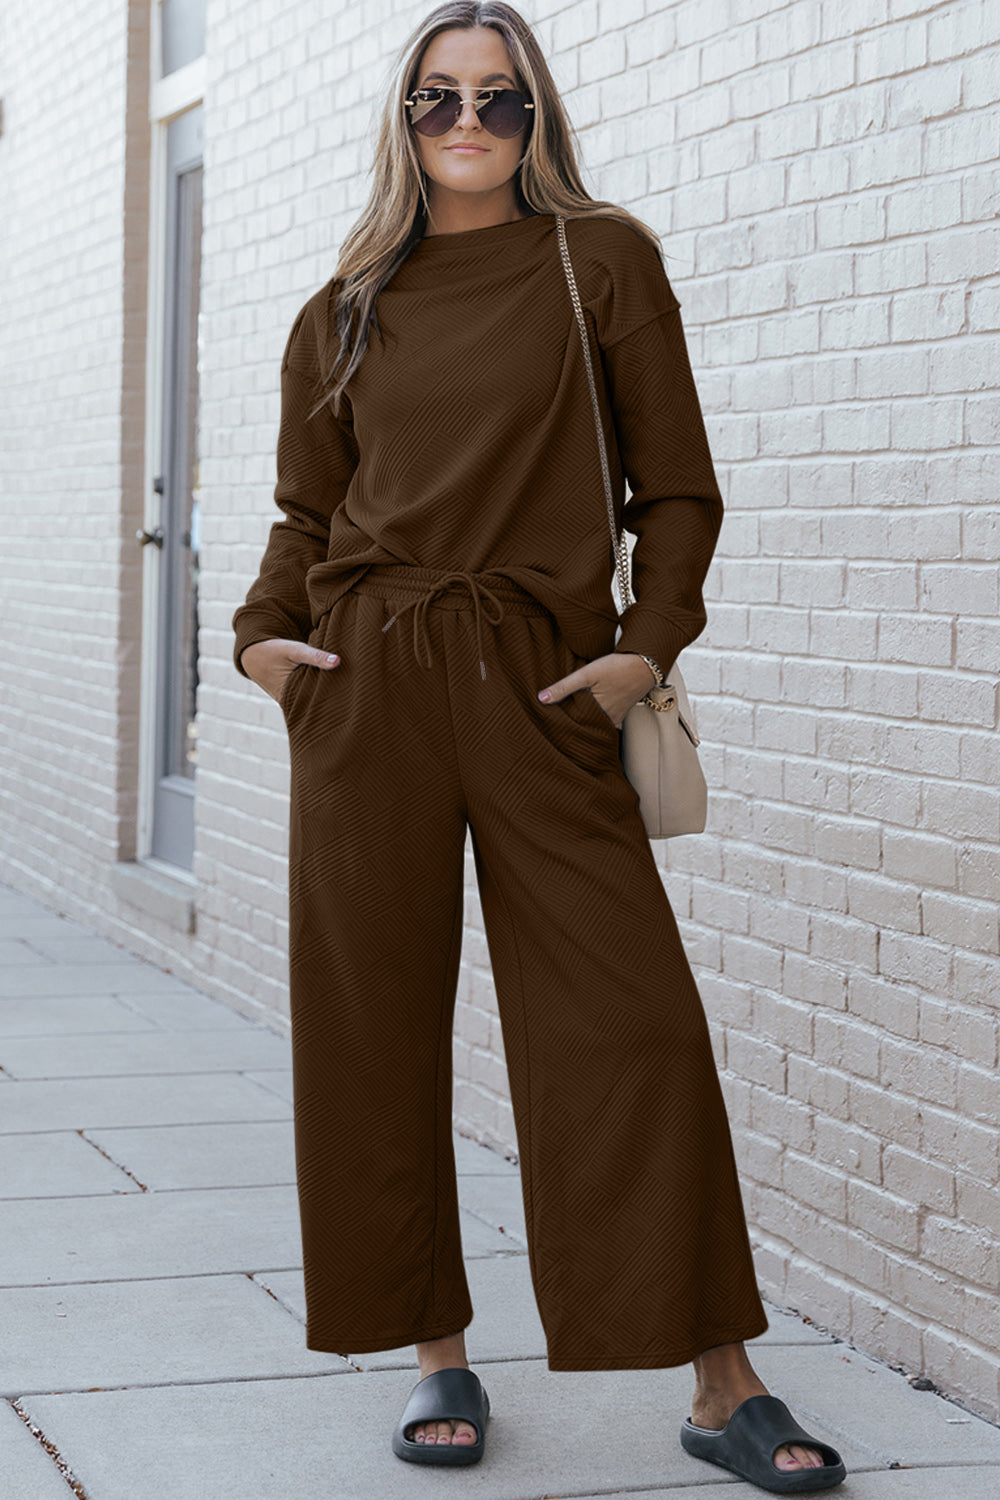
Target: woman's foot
442 1354
724 1377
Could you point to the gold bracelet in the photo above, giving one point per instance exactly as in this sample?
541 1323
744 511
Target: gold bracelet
651 664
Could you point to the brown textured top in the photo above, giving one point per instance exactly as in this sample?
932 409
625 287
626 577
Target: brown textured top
466 439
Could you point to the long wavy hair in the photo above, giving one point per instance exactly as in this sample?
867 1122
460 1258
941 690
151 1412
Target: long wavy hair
547 178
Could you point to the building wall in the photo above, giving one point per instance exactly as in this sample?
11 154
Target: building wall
825 182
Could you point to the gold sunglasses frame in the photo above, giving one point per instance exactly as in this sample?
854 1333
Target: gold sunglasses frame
478 104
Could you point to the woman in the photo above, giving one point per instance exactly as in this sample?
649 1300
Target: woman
434 616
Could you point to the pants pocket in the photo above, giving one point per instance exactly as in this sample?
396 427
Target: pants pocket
283 697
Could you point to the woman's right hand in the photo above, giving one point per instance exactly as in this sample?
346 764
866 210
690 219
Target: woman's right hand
271 663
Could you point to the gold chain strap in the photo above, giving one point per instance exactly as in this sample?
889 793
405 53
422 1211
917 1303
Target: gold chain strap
618 544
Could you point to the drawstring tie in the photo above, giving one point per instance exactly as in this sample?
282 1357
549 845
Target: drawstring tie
420 606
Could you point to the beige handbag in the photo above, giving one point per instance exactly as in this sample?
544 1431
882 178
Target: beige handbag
659 742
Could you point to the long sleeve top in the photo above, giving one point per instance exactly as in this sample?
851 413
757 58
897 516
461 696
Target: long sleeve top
466 439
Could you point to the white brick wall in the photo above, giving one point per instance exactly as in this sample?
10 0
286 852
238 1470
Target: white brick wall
824 178
62 189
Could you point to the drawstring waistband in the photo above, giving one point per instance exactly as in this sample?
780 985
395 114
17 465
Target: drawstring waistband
419 607
396 580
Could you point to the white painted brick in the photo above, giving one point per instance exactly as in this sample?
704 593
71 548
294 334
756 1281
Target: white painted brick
959 588
850 1047
963 1250
813 784
882 689
847 841
820 983
810 883
961 811
960 921
840 634
979 1088
914 856
958 700
979 870
915 960
883 586
845 941
883 1216
889 1006
916 638
932 750
968 1033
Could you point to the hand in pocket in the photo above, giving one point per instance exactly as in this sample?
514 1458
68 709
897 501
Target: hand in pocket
271 663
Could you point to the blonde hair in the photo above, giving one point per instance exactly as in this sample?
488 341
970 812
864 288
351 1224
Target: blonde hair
547 179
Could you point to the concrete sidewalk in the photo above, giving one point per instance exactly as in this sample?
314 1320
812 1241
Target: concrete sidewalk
151 1291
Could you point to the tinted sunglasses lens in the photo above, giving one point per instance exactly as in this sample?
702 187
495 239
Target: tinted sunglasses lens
505 114
434 118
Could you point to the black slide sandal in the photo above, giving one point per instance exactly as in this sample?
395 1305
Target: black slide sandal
453 1393
748 1442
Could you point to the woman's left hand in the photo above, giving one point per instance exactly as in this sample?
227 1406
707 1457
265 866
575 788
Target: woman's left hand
617 681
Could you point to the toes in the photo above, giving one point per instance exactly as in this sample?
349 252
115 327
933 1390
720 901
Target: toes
443 1431
795 1456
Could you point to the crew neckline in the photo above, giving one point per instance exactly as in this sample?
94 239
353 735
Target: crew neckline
474 239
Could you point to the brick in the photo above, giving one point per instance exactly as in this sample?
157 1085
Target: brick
881 586
888 1331
910 1176
938 1296
978 870
978 1204
979 758
885 795
779 827
968 1145
853 1047
813 783
919 1072
885 1004
956 699
779 923
918 639
850 635
961 811
883 1216
781 630
960 920
844 941
750 961
783 1021
964 588
889 1116
824 1187
883 902
855 1152
819 983
784 728
845 841
821 684
978 1093
976 978
968 1252
809 883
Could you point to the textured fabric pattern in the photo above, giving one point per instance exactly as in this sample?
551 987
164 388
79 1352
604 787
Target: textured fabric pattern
466 439
638 1245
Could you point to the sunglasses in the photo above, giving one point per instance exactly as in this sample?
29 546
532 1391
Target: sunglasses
434 111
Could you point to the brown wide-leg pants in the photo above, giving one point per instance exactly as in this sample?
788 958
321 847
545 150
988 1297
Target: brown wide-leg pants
638 1245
